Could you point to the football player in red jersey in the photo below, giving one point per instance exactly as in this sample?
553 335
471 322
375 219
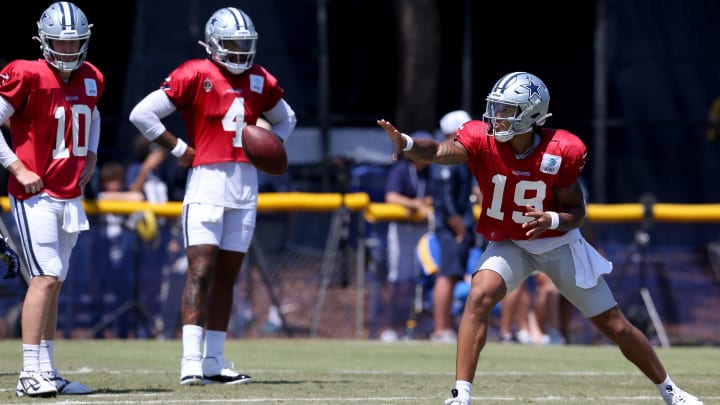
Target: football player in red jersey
51 105
532 207
217 98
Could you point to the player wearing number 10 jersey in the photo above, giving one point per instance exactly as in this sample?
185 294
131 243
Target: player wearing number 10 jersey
51 106
217 98
52 123
532 208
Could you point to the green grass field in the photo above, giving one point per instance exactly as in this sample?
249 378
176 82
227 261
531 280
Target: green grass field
298 371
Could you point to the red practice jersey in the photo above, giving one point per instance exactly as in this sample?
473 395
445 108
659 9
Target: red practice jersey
215 105
51 125
508 184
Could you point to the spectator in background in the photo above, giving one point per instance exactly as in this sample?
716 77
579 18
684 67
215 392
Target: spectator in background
161 181
217 98
407 185
534 306
112 241
144 175
51 160
112 185
452 199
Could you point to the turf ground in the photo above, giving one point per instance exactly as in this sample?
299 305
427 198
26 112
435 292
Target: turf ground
298 371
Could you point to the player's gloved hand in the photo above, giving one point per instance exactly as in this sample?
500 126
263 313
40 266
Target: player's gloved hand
10 257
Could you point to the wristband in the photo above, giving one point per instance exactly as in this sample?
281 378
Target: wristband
179 149
408 142
554 219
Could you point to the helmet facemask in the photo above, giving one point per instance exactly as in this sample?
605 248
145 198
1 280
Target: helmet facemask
236 54
62 22
64 61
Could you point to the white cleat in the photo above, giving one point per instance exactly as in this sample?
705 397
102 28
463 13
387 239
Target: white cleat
216 372
455 400
674 395
191 372
35 385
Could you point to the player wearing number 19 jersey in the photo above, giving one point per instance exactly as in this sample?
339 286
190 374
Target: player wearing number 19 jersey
532 208
217 98
509 184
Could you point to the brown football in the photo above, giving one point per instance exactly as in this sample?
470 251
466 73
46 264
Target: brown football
264 150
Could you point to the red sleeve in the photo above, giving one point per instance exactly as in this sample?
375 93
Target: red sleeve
574 154
178 84
14 87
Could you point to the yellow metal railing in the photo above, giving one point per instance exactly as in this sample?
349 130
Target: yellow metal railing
374 212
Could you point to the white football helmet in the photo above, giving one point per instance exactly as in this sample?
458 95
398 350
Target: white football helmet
63 21
231 39
523 93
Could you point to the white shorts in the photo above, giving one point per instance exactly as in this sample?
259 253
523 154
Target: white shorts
228 228
515 264
45 244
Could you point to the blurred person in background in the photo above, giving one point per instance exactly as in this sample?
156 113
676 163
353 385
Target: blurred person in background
534 306
407 185
532 209
217 98
51 160
452 199
114 247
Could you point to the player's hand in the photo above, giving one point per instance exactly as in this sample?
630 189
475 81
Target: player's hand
537 224
31 182
395 136
10 257
187 158
87 172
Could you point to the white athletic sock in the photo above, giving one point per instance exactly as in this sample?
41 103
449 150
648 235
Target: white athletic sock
214 343
31 357
47 353
464 389
662 385
192 336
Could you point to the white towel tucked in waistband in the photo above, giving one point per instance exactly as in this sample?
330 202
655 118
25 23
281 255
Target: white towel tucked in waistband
589 263
74 218
209 213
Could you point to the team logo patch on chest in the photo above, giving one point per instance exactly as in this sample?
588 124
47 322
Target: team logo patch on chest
207 85
91 89
256 83
550 164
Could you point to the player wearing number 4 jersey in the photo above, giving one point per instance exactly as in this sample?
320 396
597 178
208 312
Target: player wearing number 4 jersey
532 207
51 105
217 98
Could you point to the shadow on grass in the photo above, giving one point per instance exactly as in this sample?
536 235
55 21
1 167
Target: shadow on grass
131 391
278 382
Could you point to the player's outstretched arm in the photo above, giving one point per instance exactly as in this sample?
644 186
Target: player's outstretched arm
424 149
399 143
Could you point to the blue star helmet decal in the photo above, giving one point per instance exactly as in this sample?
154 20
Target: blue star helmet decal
533 88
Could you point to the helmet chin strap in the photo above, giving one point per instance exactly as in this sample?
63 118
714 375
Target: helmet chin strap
235 71
541 121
